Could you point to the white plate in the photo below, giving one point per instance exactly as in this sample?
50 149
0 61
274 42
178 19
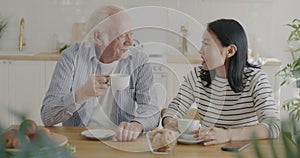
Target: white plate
189 141
98 133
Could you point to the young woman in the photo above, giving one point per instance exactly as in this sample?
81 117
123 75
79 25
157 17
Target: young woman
234 99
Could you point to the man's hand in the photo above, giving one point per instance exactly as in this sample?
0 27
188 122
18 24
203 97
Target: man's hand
94 87
128 131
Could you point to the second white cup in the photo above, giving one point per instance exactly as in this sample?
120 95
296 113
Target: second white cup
187 126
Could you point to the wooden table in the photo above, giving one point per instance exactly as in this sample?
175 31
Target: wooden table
87 148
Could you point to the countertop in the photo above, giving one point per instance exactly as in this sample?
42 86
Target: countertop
196 59
38 56
172 59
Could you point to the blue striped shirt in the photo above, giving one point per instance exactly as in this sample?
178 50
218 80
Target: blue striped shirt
76 65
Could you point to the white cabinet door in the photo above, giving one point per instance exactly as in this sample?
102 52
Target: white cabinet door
176 73
26 88
4 121
160 84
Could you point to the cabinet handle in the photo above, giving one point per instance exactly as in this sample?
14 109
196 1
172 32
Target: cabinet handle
9 62
4 62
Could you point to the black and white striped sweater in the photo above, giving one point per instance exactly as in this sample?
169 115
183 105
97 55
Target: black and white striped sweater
218 105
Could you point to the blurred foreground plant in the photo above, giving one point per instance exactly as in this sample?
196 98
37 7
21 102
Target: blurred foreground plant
43 147
290 139
293 106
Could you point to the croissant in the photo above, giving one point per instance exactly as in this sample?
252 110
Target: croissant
162 140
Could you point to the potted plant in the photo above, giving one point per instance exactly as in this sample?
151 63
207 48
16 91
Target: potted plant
291 72
3 24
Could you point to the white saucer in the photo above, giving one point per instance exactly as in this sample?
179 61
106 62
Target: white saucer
98 133
189 141
187 136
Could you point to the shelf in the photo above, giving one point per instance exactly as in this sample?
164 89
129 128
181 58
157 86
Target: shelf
184 59
196 59
38 56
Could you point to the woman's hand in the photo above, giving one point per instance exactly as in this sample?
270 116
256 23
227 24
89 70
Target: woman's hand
212 135
170 123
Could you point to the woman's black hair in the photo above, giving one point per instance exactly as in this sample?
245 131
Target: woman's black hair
229 31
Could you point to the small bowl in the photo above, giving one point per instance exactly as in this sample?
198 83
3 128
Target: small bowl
163 149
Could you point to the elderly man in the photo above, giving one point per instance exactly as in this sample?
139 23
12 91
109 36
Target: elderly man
79 93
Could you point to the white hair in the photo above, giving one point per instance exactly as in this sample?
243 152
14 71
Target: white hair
99 21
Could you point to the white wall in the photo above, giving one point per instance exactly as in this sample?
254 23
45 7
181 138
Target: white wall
47 21
44 19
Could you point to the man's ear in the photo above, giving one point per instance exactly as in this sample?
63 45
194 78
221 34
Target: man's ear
231 50
97 37
101 38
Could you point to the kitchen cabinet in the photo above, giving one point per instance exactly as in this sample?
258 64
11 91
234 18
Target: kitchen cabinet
4 93
22 89
176 72
160 82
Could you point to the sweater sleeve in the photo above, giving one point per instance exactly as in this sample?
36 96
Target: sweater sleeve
264 104
147 112
59 102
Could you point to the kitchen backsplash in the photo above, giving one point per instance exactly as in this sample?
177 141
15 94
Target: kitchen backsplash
48 22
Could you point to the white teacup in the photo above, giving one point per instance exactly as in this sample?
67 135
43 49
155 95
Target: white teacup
119 81
187 126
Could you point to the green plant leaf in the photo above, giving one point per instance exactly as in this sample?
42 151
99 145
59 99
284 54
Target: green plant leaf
273 147
256 147
294 26
297 68
296 20
283 83
287 147
298 114
295 33
3 25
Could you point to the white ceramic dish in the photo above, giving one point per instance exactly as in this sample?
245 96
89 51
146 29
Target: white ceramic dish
187 136
189 141
98 133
